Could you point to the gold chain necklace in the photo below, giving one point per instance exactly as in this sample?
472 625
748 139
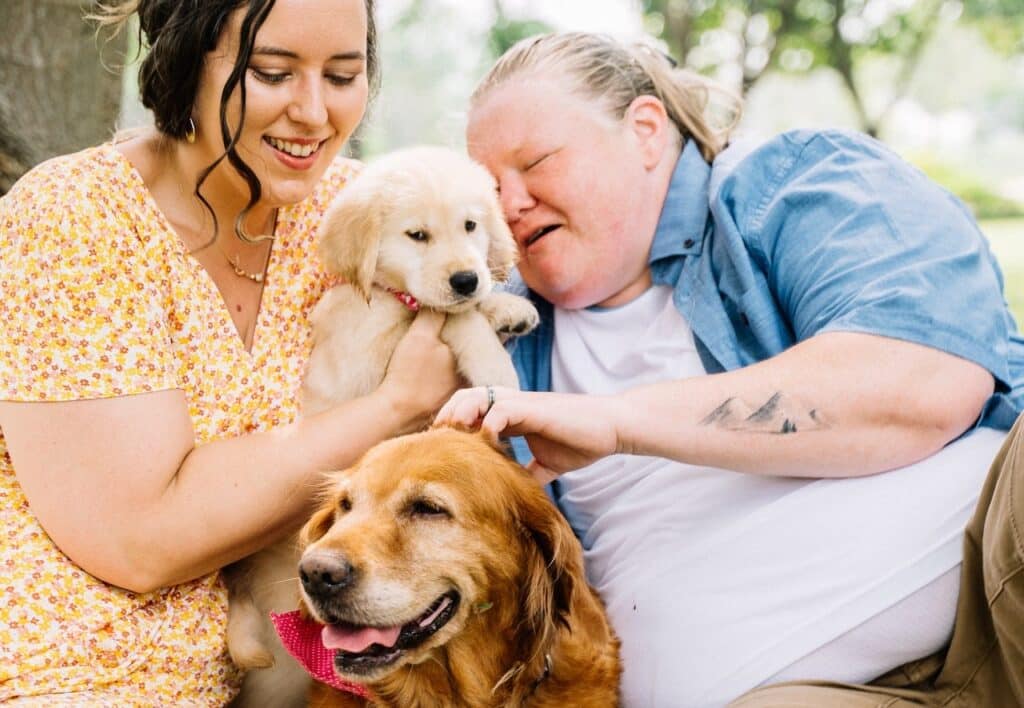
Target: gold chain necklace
236 264
240 271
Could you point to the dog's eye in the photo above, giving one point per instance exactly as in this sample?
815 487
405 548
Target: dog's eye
418 235
470 226
345 504
422 507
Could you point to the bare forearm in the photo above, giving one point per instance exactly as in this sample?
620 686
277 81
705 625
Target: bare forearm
843 405
769 433
233 497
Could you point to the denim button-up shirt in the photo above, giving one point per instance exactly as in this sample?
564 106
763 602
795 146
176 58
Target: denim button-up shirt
818 232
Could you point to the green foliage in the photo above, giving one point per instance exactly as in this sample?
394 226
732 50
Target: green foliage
1001 21
505 32
826 28
982 200
798 36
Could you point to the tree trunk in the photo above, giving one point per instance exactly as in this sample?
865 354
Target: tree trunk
60 83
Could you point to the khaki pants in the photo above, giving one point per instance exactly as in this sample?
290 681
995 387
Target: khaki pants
984 664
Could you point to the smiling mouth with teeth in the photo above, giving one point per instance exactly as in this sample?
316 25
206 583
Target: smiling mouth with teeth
539 233
361 650
293 149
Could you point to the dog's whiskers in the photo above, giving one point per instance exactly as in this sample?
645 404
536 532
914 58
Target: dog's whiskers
292 579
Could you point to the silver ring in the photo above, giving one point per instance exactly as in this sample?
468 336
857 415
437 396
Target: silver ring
490 399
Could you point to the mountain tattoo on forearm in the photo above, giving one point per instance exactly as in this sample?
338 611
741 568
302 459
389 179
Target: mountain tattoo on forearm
778 416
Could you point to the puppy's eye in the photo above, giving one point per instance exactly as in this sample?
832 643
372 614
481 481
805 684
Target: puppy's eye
418 235
345 504
470 226
423 507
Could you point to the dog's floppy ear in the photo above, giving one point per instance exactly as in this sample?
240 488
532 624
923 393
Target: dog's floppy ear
555 566
350 235
318 525
501 250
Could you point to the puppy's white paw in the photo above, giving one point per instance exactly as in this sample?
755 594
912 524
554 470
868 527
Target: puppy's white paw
509 315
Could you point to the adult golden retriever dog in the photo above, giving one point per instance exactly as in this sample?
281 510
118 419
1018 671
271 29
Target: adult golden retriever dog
420 227
444 576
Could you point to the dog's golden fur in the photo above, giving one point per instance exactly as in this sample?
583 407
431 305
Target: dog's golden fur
449 203
440 512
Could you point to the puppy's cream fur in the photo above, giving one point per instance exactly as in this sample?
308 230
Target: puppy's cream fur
409 222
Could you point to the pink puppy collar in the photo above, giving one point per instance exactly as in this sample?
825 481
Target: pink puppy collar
302 638
406 299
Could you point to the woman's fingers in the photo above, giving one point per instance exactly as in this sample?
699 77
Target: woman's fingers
421 349
428 323
564 432
469 406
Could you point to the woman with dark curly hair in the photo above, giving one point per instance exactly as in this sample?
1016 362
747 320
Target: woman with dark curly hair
155 292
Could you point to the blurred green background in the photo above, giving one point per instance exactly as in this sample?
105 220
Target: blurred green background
1007 239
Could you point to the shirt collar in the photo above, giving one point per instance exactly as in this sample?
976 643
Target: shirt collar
684 215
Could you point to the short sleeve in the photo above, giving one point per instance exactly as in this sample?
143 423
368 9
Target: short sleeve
855 239
79 304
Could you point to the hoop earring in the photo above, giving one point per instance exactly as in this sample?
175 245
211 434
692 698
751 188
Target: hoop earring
190 131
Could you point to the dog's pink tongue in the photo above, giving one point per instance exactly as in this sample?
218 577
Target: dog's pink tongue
357 639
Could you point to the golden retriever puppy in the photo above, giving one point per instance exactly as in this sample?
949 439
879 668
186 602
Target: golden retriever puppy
444 576
420 227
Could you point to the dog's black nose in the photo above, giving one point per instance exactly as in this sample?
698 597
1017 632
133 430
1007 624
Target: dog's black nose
325 574
464 282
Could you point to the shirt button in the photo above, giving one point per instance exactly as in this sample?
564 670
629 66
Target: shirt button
688 243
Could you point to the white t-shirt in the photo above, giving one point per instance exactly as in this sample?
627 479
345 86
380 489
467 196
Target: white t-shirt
718 581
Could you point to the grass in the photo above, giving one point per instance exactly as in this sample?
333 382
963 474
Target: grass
1007 239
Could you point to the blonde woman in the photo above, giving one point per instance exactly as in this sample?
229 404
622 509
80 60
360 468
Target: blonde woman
769 383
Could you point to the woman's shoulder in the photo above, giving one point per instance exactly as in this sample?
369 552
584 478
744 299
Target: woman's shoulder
94 182
752 172
86 207
772 158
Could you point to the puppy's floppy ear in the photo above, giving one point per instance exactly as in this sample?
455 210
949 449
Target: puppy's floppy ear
350 234
501 250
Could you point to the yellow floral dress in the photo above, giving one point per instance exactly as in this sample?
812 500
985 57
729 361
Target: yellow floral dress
99 298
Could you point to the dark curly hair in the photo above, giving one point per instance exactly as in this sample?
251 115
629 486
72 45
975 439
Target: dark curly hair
178 35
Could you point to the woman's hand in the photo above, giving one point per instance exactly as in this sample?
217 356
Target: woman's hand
564 431
421 374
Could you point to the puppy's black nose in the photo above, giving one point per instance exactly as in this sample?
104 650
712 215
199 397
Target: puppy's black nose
325 574
464 282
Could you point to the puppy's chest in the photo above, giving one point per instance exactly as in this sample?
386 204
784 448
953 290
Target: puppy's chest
342 316
353 341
